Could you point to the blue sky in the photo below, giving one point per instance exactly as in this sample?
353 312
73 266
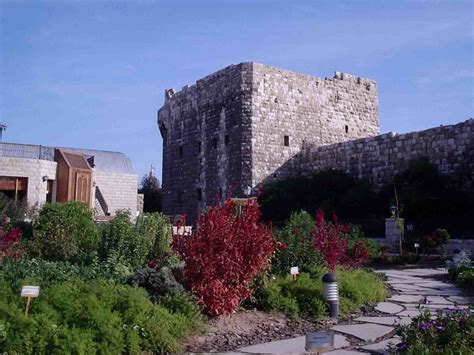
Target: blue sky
92 74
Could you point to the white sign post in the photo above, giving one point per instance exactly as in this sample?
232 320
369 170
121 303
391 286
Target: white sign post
294 271
29 292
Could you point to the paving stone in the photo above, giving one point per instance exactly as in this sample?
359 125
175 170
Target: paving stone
407 298
388 307
383 345
409 313
367 332
294 345
461 299
344 352
437 300
384 320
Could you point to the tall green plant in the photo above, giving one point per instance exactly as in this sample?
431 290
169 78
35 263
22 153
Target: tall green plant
121 243
156 228
297 244
65 231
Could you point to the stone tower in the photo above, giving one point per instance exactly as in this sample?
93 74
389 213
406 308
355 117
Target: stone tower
248 123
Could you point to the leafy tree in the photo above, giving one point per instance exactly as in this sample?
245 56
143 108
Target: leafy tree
151 189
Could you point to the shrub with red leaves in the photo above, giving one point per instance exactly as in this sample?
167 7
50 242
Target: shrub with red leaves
10 244
225 252
358 254
331 240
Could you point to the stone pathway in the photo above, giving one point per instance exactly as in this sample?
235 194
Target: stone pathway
369 335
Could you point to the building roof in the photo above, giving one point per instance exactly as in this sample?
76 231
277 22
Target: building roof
104 161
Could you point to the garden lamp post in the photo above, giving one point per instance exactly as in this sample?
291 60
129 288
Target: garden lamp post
331 293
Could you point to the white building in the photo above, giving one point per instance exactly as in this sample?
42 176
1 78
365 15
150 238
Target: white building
37 174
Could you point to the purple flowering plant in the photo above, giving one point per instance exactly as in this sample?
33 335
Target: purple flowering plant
446 332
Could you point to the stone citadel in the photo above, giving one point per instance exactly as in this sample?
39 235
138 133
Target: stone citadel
251 123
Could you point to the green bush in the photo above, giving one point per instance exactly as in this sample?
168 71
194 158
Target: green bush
88 317
121 244
156 228
298 248
158 282
304 296
46 273
65 232
449 332
185 305
356 234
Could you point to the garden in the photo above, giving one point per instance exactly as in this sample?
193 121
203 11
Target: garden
127 286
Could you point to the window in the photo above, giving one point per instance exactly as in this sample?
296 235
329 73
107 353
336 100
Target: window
286 141
180 151
346 127
220 193
199 194
199 147
214 142
179 196
226 139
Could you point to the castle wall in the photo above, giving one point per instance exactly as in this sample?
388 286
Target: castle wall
206 141
378 159
310 111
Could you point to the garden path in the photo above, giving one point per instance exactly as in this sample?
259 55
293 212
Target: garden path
368 335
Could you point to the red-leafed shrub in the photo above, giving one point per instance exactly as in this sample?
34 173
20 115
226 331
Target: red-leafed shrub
10 242
228 248
358 254
331 240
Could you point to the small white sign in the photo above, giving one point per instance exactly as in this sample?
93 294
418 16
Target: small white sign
417 245
30 291
294 270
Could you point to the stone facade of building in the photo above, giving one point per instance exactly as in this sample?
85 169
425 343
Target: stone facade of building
240 126
248 124
112 175
37 171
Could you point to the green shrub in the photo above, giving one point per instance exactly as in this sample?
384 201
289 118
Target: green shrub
158 282
65 231
120 243
298 244
356 234
304 296
185 305
88 317
46 273
449 332
156 228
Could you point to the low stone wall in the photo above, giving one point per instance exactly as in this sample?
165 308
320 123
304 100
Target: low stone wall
378 159
456 245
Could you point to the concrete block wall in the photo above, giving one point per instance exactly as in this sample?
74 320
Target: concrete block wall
119 191
34 170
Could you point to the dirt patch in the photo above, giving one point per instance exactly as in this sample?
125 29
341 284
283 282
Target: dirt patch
246 328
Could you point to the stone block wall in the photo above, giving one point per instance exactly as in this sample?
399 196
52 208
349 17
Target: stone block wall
309 111
34 170
378 159
227 132
206 141
119 191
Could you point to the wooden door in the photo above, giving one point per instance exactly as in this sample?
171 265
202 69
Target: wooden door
83 187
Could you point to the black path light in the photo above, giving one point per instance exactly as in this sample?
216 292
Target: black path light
331 293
